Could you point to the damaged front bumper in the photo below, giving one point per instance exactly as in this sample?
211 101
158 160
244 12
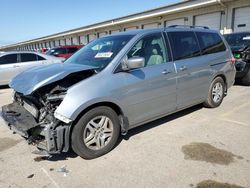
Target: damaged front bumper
52 137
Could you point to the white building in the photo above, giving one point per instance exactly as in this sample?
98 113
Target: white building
224 15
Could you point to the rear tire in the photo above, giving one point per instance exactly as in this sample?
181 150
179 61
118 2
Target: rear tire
96 133
246 79
216 93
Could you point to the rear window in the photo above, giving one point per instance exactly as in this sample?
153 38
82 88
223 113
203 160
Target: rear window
56 51
210 43
26 57
8 59
72 50
184 45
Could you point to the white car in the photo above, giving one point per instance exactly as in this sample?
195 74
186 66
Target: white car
15 62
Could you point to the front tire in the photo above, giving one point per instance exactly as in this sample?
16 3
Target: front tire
216 93
96 133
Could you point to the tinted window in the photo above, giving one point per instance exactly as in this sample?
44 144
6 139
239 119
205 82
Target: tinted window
184 45
210 42
39 58
72 50
28 57
56 51
238 39
8 59
152 48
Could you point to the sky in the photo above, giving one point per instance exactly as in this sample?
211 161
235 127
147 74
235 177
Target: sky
22 20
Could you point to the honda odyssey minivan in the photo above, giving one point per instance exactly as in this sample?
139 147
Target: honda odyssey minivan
116 83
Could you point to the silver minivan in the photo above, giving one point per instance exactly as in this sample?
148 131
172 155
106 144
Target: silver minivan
116 83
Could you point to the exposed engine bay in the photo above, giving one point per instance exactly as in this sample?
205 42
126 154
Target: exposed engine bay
32 116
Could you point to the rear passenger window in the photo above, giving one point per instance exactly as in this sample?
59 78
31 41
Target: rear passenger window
26 57
184 45
39 58
210 42
8 59
72 50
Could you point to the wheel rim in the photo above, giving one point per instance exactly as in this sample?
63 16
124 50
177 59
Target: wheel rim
217 92
98 132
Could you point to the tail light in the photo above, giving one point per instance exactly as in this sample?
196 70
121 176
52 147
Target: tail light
232 61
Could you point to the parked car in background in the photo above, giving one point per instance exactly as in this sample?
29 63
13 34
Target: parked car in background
13 63
43 50
240 45
116 83
63 51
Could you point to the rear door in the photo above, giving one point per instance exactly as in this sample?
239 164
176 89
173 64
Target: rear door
8 68
150 91
192 69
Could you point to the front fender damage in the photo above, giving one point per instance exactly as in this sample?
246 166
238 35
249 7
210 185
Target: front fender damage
33 116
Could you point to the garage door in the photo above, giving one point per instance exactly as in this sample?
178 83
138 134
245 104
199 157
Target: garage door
92 37
242 19
130 28
102 34
115 31
75 40
180 21
212 20
68 41
62 42
151 26
84 40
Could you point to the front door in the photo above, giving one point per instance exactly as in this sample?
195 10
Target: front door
150 91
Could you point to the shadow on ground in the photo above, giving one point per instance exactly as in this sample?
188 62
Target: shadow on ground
132 132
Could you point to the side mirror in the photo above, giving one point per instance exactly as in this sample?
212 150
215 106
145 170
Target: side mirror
133 63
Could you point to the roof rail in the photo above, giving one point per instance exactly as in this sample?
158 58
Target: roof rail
188 26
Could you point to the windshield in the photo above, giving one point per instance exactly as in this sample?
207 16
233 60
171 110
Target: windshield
100 52
241 39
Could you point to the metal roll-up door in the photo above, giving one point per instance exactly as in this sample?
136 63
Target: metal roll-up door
180 21
84 40
211 20
68 41
102 34
150 26
62 42
130 28
242 19
92 37
57 43
114 31
75 41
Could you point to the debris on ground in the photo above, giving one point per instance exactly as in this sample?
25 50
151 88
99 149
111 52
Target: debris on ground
30 176
63 170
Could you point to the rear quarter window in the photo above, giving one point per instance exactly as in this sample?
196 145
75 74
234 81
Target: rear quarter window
210 43
26 57
184 44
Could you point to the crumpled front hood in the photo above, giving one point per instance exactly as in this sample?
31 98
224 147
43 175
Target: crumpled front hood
37 77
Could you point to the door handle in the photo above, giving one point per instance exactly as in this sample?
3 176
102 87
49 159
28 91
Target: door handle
166 71
183 68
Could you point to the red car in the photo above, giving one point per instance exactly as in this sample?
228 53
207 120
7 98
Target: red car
63 51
